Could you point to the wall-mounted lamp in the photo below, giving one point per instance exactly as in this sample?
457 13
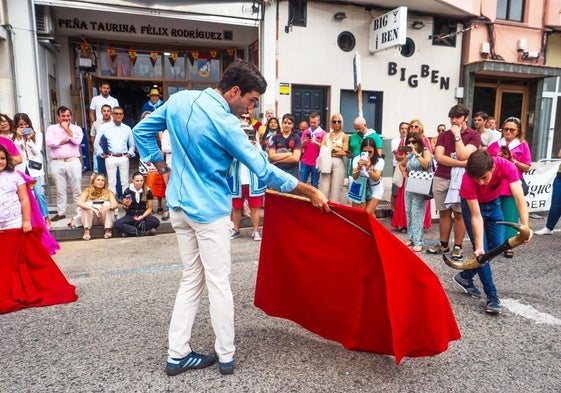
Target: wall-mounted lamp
522 44
418 24
339 16
485 49
459 92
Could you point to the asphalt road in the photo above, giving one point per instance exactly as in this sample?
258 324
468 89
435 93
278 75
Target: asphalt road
114 338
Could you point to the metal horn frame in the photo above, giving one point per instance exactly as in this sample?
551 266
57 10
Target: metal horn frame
523 234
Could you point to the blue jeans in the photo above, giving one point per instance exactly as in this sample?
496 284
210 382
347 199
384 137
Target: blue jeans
306 170
40 197
555 209
493 236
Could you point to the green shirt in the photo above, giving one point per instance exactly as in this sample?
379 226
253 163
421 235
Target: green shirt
356 140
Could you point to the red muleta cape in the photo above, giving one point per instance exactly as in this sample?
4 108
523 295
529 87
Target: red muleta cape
367 291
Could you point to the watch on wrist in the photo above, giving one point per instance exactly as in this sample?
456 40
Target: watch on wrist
165 169
457 139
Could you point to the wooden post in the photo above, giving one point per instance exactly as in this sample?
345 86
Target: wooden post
359 96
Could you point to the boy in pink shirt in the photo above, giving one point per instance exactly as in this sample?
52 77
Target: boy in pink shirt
482 185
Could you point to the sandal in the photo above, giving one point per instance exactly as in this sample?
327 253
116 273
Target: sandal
160 210
509 254
107 235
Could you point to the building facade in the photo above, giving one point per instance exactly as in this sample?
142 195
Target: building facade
499 56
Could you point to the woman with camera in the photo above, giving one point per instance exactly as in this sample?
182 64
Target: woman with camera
29 143
418 158
367 189
399 218
513 147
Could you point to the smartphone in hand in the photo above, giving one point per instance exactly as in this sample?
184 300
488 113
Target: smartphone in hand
404 149
505 151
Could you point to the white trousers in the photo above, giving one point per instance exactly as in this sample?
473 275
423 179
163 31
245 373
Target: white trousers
111 164
61 171
107 217
331 184
205 254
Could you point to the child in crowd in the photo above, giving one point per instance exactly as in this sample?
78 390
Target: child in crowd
482 185
15 210
28 276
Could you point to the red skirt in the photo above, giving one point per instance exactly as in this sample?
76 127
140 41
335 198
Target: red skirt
28 275
399 219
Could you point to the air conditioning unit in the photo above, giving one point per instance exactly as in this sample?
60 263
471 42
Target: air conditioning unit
44 20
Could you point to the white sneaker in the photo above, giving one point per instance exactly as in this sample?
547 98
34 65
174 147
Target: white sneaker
544 231
256 236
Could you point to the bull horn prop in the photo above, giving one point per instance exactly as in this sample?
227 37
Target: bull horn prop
523 234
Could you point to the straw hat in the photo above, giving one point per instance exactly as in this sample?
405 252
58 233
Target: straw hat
154 92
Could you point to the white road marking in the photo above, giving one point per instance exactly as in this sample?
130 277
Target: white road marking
529 312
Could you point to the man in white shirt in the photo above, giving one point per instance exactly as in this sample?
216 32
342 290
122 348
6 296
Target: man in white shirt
488 135
100 100
98 162
120 147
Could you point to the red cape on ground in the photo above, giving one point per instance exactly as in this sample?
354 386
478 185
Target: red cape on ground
28 275
366 291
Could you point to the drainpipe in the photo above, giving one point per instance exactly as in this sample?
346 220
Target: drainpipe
11 35
277 59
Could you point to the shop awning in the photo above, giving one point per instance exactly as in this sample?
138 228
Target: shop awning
217 11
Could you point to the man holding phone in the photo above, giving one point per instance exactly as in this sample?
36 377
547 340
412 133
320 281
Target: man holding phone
311 143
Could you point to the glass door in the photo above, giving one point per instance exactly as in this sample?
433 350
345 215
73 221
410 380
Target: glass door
544 135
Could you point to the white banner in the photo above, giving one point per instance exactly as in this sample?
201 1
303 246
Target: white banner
540 183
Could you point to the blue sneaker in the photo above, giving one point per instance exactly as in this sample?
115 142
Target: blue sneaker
493 305
189 362
467 286
235 234
226 368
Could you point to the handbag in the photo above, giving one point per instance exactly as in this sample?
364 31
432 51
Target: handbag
357 190
397 178
525 187
34 164
420 182
324 161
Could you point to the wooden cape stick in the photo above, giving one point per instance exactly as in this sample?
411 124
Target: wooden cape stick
304 199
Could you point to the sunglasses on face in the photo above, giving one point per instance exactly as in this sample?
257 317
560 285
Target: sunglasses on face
414 126
508 130
244 117
411 141
336 121
441 130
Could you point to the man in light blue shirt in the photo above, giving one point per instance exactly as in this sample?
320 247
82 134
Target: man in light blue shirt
206 136
120 148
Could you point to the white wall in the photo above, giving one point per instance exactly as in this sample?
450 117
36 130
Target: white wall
25 97
310 55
